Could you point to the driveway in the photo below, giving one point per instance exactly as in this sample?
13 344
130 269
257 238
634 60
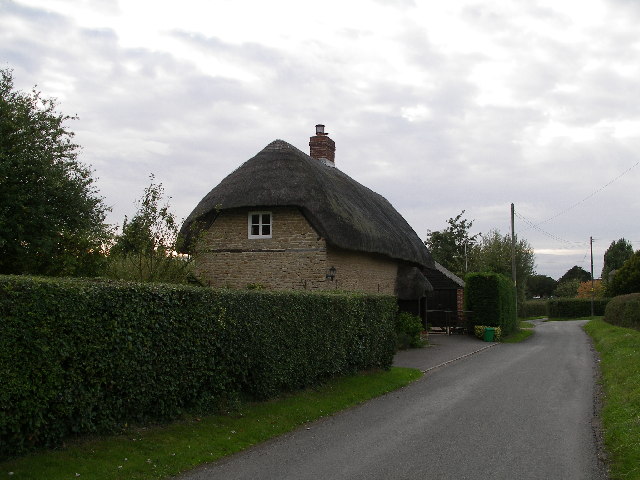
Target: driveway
511 411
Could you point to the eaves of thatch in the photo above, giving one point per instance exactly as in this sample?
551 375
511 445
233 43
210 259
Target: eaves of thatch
345 213
443 279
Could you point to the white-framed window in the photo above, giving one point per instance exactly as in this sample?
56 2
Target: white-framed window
260 224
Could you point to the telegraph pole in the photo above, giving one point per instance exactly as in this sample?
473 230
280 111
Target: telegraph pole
592 280
513 255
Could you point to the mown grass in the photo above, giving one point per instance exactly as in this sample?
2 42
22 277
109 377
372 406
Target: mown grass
570 319
619 350
159 452
518 336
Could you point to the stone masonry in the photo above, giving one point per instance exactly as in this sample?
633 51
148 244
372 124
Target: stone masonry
296 257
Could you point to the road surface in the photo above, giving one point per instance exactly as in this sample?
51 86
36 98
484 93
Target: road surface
513 411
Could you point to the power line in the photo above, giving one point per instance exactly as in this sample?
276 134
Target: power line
550 235
594 193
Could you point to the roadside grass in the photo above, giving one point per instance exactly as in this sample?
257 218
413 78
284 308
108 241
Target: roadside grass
518 336
163 451
526 324
567 319
620 367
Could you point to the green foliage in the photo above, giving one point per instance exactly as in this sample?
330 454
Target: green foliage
541 286
624 311
493 254
627 277
451 246
408 330
146 250
618 252
80 356
534 308
51 217
575 273
567 288
183 445
491 298
620 367
478 331
575 307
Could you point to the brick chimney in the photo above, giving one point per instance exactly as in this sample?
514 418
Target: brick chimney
322 147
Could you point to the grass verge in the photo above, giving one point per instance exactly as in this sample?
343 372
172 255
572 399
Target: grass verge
159 452
518 336
620 367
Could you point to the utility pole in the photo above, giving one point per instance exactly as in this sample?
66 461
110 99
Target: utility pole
513 255
592 280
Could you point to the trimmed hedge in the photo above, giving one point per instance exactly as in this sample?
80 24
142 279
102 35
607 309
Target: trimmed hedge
79 356
491 298
624 311
576 307
534 308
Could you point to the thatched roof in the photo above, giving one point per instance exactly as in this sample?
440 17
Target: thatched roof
411 283
345 213
443 279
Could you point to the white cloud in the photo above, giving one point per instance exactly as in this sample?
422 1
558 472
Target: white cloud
439 107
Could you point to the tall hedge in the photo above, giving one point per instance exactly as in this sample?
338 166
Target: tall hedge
491 298
624 311
88 356
575 307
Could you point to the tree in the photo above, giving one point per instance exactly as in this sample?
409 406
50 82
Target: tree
146 250
575 273
567 288
618 252
584 289
450 247
627 277
51 217
493 254
540 286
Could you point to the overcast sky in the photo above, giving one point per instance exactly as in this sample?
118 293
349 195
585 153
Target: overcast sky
437 106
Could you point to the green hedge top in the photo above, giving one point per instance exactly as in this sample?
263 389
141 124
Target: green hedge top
85 356
624 311
491 298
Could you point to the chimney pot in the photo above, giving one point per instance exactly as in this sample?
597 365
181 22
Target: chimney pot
322 147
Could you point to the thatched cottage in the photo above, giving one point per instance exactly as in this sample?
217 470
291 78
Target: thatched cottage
288 220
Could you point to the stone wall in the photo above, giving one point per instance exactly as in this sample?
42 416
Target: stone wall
294 258
362 272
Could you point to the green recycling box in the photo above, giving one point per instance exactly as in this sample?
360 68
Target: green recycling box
489 332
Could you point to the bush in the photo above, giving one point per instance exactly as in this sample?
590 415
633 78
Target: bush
624 311
534 308
80 356
627 278
478 330
491 298
408 330
576 307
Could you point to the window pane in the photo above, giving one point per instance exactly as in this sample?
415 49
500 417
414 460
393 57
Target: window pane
255 219
266 218
255 229
266 229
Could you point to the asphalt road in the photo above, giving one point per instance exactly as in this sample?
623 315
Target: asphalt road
513 411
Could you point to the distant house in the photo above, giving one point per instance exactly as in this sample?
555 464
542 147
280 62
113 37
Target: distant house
288 220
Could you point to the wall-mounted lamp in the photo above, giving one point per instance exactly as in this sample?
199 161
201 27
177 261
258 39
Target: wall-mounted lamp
331 274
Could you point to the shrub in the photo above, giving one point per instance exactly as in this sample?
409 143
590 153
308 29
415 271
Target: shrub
80 356
491 298
627 278
408 330
478 330
624 311
576 307
534 308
